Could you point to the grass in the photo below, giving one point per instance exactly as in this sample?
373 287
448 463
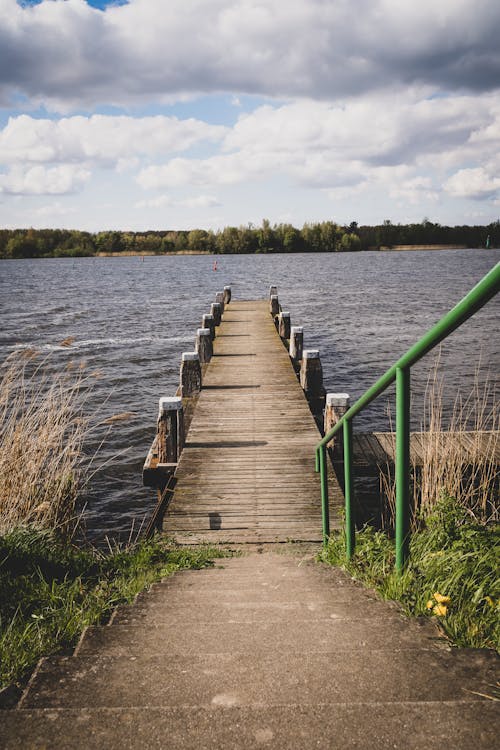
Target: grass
49 590
452 573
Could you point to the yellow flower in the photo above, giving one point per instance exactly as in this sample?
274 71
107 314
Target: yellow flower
441 599
429 604
440 610
489 600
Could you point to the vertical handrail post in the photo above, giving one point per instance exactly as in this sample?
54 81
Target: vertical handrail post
348 489
402 465
325 511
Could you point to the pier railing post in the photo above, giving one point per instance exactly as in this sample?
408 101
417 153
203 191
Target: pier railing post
190 377
219 297
208 321
274 305
284 325
227 295
402 465
170 429
336 406
216 311
204 345
311 379
325 510
296 344
350 538
273 290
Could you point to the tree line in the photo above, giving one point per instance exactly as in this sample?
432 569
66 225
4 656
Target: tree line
325 236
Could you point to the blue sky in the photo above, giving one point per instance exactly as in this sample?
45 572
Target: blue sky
204 113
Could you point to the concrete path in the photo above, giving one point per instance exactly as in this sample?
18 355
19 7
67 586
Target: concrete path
265 650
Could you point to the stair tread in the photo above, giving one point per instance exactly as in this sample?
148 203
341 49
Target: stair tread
399 725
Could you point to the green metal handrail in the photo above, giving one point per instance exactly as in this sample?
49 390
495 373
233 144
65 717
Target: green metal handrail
484 291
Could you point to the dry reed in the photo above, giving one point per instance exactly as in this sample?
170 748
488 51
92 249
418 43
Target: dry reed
42 431
459 459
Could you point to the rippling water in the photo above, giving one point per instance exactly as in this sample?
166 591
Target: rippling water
131 320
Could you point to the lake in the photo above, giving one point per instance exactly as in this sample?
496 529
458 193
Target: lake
132 318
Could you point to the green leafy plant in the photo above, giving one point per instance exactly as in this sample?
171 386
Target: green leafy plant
452 573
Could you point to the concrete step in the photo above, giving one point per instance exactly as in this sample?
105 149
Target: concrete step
247 633
462 725
231 600
231 678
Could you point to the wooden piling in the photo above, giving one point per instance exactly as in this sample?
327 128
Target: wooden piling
273 290
219 297
208 322
227 295
296 343
204 345
284 325
190 377
336 406
274 305
216 311
170 429
311 379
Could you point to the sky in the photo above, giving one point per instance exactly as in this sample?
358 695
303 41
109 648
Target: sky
181 114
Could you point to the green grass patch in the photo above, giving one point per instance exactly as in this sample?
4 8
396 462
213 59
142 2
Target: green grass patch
452 573
49 590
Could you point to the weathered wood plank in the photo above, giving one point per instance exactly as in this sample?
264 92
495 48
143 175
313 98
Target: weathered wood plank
379 448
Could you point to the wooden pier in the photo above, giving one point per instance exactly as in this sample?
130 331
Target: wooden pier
246 473
233 460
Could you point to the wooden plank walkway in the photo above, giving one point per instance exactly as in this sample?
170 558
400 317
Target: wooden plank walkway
246 474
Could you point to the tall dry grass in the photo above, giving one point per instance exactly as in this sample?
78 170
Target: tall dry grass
457 456
42 431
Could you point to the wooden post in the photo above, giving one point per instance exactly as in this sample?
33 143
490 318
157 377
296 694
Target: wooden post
284 324
190 374
227 295
311 379
204 345
336 406
219 297
170 429
216 311
296 343
208 322
273 290
274 305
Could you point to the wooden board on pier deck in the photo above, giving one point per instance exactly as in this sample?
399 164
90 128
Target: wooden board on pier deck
246 474
378 449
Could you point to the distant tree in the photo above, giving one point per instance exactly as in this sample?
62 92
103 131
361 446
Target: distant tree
350 242
266 238
329 236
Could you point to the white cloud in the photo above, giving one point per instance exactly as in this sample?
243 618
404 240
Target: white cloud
372 140
40 180
473 183
100 139
68 54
